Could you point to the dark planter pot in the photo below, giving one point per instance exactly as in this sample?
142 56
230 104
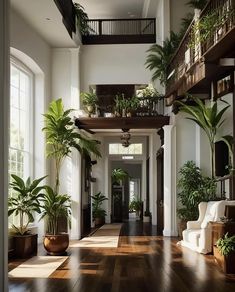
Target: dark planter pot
56 244
226 263
182 225
99 221
25 245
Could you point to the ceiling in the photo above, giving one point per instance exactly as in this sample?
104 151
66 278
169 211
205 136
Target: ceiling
113 8
45 18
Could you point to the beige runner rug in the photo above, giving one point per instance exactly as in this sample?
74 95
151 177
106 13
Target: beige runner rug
38 267
105 236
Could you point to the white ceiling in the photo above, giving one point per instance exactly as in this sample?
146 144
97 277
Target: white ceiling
45 18
113 8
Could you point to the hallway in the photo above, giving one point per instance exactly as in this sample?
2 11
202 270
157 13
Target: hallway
143 261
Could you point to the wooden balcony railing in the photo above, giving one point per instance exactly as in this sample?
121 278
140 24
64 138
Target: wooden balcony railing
197 43
101 31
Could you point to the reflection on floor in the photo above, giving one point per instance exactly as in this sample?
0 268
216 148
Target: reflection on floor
143 261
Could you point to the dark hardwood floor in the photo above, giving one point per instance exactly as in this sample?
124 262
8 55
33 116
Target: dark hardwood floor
142 262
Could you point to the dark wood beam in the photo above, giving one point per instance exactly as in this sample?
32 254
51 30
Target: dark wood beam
122 123
232 192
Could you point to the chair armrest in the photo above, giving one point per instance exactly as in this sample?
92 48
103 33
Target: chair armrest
194 224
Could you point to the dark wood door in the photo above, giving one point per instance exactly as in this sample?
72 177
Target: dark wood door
117 205
160 190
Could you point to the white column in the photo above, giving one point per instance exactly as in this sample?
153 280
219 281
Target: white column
170 223
4 129
154 144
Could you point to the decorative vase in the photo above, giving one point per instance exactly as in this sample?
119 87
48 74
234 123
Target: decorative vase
56 244
90 109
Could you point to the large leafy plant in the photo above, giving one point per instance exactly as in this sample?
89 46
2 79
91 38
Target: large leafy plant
25 201
55 206
159 57
97 210
226 245
62 137
193 189
209 119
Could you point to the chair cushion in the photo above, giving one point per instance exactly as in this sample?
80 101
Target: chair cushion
192 236
214 210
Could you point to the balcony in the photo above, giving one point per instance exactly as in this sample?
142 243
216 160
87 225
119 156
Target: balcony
204 58
120 31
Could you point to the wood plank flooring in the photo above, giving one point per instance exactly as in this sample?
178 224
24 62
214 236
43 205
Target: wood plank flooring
142 262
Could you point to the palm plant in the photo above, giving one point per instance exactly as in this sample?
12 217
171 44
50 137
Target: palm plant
54 206
61 137
209 118
160 56
118 175
25 201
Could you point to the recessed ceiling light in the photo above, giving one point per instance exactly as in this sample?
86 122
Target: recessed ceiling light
47 18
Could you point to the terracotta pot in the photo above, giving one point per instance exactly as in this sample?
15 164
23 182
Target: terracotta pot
56 244
25 245
99 221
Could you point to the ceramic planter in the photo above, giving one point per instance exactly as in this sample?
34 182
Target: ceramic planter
146 219
25 245
56 244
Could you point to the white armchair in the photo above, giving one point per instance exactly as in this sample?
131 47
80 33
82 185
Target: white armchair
198 235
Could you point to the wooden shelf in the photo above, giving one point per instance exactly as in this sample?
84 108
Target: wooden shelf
122 123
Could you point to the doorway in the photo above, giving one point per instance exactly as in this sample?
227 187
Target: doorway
126 191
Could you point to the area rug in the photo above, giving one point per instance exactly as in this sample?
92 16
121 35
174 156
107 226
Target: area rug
38 267
106 236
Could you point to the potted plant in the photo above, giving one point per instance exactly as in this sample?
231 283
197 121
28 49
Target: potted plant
136 205
61 138
224 253
89 100
193 189
25 202
147 216
98 212
54 207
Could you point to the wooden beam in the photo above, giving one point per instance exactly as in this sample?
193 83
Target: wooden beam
232 192
122 123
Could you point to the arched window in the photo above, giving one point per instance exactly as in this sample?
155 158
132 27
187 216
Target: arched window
21 120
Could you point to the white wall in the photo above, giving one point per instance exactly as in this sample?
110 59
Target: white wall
113 64
35 53
178 10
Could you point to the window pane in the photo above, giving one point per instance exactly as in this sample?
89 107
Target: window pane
118 149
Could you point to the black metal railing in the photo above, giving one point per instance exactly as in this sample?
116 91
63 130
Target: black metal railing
123 30
193 46
121 26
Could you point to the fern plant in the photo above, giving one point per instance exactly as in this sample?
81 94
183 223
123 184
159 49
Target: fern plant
226 245
82 18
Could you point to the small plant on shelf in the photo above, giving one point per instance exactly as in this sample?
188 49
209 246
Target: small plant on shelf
89 101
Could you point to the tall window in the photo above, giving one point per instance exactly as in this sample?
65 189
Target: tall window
20 120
